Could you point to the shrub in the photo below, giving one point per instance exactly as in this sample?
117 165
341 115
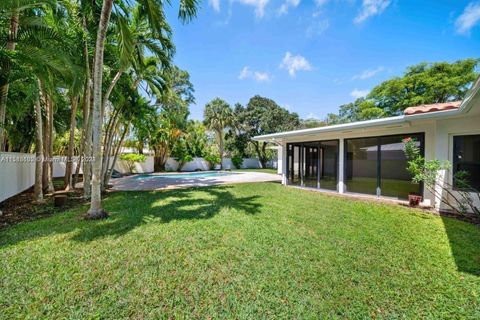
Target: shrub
427 171
237 161
131 159
182 160
212 160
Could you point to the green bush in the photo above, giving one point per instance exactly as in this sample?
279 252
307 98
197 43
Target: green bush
131 159
212 160
237 161
427 172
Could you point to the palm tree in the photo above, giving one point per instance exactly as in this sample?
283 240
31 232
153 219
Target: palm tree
218 115
154 12
42 62
13 9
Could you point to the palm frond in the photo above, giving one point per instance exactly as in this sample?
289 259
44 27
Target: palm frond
125 42
188 9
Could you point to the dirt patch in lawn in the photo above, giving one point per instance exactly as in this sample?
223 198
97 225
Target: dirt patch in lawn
21 207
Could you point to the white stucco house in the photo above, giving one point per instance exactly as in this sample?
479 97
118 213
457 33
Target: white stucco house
366 157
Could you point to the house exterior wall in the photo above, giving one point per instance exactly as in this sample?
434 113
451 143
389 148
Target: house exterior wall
438 144
445 131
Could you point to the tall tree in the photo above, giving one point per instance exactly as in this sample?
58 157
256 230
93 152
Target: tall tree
156 19
424 83
263 116
218 116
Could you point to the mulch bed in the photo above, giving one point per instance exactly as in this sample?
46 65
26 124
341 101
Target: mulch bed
21 208
470 218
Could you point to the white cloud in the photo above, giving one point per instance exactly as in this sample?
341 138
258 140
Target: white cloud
261 76
258 4
215 4
295 63
469 18
367 74
371 8
359 93
313 116
317 27
245 73
287 5
258 76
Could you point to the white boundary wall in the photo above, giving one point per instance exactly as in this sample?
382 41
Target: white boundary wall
17 170
17 173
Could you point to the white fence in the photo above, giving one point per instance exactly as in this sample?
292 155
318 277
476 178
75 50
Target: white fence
17 170
17 173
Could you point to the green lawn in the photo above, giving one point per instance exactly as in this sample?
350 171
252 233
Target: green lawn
266 170
242 251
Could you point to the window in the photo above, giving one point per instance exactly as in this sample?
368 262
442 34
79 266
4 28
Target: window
466 158
313 164
378 166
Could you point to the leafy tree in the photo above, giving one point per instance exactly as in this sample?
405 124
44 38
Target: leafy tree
263 116
424 83
360 109
312 123
196 139
218 116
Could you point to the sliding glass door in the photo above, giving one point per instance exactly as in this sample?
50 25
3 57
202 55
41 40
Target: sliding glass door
293 164
361 165
378 166
329 164
313 164
310 164
395 180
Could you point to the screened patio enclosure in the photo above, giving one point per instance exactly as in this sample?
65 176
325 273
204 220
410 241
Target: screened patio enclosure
372 165
313 164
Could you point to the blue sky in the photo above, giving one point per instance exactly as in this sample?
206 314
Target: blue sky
313 56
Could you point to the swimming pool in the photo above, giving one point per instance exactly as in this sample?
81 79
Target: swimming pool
184 175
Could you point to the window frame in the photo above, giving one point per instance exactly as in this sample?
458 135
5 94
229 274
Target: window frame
345 151
454 159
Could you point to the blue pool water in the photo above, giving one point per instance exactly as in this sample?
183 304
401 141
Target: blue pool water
184 175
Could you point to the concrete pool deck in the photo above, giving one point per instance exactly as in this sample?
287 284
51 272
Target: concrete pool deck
153 182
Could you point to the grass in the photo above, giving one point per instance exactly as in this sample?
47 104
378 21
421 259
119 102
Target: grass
264 170
241 251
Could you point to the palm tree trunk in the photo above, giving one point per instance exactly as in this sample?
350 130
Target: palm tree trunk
86 110
50 188
12 37
108 148
71 144
85 107
87 163
38 187
221 147
110 89
115 156
96 210
47 182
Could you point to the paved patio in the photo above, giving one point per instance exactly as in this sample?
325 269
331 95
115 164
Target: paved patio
159 181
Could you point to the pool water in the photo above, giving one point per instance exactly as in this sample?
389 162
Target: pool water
184 175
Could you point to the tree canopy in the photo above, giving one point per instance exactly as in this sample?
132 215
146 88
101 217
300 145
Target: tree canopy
424 83
262 116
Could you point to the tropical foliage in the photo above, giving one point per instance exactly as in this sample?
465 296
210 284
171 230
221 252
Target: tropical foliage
460 199
424 83
78 77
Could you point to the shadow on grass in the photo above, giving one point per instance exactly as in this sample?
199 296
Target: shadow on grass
128 210
464 241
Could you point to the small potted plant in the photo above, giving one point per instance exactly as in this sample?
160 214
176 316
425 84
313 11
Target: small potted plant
414 199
